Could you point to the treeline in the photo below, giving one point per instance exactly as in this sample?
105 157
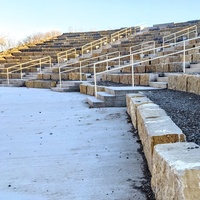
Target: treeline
8 43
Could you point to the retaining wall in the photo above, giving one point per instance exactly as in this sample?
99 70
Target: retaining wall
173 162
185 83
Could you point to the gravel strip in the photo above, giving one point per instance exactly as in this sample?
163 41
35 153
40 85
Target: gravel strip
183 108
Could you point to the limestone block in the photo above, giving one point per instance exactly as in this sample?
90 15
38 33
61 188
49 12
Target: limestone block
187 58
195 57
156 61
128 99
85 70
55 70
90 90
176 171
39 76
52 84
136 79
109 77
2 60
54 76
46 76
83 88
126 69
159 68
65 76
104 77
144 79
16 75
150 68
37 84
29 84
155 127
91 70
172 82
182 82
134 103
193 84
141 69
44 84
115 78
100 89
123 79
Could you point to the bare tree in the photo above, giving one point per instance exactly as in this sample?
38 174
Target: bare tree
40 37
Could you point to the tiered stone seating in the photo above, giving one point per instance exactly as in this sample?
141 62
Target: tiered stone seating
75 40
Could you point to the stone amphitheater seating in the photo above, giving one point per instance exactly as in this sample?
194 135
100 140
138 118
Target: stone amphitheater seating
144 73
157 132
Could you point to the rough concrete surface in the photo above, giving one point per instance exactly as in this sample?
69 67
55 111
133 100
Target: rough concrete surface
53 147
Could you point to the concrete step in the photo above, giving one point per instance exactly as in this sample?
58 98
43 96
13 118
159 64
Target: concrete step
115 96
158 84
12 83
94 102
122 91
67 89
68 86
162 79
194 68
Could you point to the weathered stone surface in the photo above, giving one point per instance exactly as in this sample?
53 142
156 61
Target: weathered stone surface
136 79
54 76
172 82
29 84
193 84
40 76
134 103
182 83
40 84
128 100
65 76
100 89
83 88
90 90
46 76
150 68
16 75
144 79
176 171
115 78
123 79
155 127
104 77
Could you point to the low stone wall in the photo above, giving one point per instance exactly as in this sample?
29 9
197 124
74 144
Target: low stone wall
89 89
171 178
139 79
185 82
64 76
40 84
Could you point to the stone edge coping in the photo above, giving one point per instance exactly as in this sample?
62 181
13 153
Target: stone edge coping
165 140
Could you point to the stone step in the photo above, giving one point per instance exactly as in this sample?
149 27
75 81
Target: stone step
122 91
193 68
162 79
158 84
94 102
116 96
12 83
64 89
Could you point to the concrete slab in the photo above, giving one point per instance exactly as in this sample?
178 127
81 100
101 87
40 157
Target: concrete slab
120 91
53 147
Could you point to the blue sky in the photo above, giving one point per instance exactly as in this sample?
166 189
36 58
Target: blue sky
20 18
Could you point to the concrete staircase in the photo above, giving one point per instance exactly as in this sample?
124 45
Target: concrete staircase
12 83
160 82
193 68
68 86
114 96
